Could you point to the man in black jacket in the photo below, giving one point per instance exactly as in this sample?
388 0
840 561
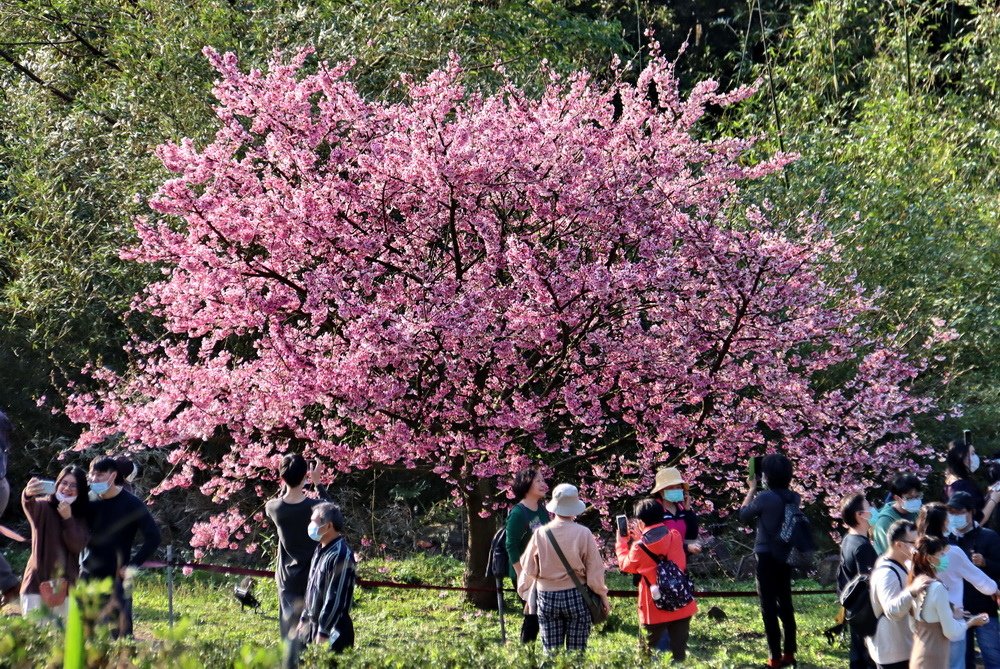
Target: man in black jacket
857 556
116 517
982 545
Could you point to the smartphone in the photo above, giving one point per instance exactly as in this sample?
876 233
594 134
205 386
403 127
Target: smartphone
622 521
967 437
48 487
755 467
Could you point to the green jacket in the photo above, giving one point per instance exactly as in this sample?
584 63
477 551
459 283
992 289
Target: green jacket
521 522
887 515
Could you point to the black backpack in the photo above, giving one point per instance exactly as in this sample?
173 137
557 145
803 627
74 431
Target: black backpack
498 564
796 545
676 589
856 598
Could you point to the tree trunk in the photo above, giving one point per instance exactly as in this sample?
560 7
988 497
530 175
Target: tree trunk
477 547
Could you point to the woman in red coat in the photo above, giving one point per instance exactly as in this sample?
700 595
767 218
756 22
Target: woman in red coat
663 629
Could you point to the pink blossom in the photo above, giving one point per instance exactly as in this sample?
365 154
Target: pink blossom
467 283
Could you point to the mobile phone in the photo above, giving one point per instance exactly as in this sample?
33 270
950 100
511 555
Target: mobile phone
967 437
622 521
48 487
755 467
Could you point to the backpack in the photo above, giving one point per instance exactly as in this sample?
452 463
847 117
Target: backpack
676 589
856 598
498 563
795 544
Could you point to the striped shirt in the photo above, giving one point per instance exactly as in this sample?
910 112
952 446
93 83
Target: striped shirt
330 590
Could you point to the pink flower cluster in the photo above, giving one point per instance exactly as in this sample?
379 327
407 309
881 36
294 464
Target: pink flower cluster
468 283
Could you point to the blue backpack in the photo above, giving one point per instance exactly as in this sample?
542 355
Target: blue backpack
676 589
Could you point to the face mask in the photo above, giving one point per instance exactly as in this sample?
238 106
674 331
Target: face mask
974 462
955 522
673 495
313 531
63 498
99 487
942 565
913 505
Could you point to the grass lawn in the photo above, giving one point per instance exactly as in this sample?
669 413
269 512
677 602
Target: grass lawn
397 627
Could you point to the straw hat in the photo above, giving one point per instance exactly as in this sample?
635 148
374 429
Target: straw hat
566 501
666 477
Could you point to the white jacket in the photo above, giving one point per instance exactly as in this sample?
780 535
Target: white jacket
891 601
960 568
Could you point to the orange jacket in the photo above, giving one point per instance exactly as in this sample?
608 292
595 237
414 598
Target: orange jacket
633 560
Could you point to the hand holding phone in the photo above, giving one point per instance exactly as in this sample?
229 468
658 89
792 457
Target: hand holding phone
622 522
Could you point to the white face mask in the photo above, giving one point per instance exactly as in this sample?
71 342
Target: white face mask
63 498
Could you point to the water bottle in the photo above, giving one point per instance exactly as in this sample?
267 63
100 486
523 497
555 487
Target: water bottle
654 591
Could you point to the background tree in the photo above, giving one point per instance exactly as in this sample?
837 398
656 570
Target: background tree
466 283
88 89
893 108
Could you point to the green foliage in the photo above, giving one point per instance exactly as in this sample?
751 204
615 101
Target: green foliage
893 108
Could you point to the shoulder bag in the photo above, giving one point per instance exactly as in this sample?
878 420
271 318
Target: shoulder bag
597 612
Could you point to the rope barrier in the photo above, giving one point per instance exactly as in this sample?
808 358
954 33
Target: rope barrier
365 583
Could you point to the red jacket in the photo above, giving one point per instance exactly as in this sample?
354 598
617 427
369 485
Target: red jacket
633 560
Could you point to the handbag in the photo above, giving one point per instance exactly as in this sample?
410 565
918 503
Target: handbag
597 612
54 592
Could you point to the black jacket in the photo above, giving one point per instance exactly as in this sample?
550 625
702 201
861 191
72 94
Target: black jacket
986 542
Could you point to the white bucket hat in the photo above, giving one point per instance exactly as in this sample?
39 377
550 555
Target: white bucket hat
566 501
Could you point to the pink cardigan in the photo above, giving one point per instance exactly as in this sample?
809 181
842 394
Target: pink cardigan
541 567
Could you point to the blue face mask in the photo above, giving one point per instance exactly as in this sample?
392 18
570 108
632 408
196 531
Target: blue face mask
956 522
674 496
99 487
913 505
943 564
314 531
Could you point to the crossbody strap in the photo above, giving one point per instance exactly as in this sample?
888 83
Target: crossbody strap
569 570
656 558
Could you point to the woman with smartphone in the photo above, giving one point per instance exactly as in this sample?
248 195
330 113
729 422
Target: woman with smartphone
960 463
640 549
935 628
774 576
57 512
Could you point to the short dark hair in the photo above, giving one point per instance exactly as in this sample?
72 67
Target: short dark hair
293 469
649 511
777 469
932 520
330 513
105 464
850 507
898 530
958 451
904 483
522 482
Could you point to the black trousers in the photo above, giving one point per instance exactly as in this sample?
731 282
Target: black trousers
774 586
859 657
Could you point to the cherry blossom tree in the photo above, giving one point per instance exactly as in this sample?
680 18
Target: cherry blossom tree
468 283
